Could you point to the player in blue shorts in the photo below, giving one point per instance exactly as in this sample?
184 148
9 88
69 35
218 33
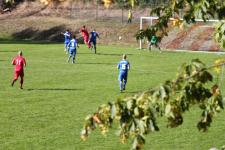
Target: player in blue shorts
123 67
67 37
93 39
72 49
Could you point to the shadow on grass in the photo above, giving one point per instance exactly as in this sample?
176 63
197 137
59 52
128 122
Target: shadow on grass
15 41
54 89
131 92
51 34
10 51
112 54
84 53
35 36
89 63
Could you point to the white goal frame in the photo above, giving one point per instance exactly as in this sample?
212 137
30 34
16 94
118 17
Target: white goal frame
155 18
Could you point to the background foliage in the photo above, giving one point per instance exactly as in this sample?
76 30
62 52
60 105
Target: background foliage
191 9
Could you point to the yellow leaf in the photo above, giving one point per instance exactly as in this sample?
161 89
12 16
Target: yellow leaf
107 3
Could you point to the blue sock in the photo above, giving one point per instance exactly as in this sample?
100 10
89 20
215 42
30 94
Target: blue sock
121 85
124 86
69 58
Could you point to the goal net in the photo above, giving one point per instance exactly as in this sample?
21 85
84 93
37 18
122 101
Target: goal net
197 36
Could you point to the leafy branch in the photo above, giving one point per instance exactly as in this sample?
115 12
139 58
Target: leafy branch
191 9
137 115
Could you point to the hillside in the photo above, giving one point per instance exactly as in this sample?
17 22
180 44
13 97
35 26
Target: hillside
33 21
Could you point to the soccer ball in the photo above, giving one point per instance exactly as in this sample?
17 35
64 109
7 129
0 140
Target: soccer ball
120 37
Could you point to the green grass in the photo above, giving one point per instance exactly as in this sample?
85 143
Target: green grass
57 96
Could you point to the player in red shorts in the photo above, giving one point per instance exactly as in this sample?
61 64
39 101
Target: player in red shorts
19 62
85 35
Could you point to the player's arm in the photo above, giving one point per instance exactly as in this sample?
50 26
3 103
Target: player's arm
13 62
24 63
98 36
67 48
62 33
77 45
128 66
67 34
86 33
81 31
118 66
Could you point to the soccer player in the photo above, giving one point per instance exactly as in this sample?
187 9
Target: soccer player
123 67
85 35
19 62
72 48
67 37
154 41
93 39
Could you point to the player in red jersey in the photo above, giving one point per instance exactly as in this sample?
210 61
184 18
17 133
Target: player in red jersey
85 35
19 62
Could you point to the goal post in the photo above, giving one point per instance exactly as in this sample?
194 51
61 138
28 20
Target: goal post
141 26
151 19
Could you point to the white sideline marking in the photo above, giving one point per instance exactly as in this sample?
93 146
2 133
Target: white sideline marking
187 51
190 51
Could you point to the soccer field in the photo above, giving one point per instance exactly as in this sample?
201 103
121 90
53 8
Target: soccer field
49 112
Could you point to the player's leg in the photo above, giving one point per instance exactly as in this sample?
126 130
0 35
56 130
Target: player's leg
94 43
16 75
91 44
120 78
157 45
73 56
121 86
129 20
13 82
21 81
65 46
150 46
68 60
86 38
125 81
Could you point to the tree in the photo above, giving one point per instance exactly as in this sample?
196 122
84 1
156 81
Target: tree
137 115
205 8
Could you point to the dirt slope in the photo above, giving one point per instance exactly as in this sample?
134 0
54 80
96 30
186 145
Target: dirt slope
33 21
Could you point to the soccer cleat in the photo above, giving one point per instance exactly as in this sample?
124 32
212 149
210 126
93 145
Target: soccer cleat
160 50
21 88
12 83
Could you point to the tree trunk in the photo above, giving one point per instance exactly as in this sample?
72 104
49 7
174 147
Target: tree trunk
1 4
